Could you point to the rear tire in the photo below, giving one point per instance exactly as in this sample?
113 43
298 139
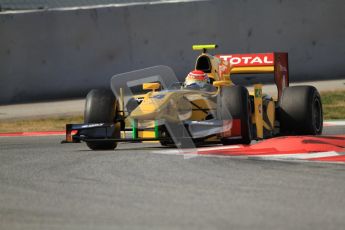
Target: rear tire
100 108
235 99
301 111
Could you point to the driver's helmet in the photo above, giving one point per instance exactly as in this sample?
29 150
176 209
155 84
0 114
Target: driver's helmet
196 79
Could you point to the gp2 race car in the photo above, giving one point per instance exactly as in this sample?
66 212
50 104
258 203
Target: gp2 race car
149 105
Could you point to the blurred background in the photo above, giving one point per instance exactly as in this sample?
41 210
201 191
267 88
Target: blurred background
59 49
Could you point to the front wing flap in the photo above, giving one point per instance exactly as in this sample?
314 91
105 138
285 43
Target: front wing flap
75 133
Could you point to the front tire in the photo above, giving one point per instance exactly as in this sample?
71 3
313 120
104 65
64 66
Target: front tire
301 111
100 108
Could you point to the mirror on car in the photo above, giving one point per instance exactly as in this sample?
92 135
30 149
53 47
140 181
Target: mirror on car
221 83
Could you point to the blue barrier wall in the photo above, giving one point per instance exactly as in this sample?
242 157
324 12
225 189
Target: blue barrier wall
53 54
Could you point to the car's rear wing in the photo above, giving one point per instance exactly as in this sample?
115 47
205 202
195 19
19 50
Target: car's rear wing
276 63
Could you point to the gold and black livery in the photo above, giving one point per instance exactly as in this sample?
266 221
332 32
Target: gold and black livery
223 113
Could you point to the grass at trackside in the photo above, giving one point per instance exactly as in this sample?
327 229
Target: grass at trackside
333 108
333 104
42 124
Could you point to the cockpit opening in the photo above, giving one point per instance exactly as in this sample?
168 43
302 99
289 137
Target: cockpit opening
203 63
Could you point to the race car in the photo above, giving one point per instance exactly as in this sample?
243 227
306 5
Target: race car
152 105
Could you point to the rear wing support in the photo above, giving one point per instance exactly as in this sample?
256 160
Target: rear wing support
281 72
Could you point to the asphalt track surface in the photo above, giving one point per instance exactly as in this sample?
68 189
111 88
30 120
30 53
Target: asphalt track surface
46 185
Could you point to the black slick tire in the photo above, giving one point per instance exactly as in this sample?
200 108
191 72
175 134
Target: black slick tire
301 111
235 99
100 108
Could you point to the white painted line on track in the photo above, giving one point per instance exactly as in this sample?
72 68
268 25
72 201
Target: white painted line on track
304 156
334 123
219 148
91 6
193 150
300 157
